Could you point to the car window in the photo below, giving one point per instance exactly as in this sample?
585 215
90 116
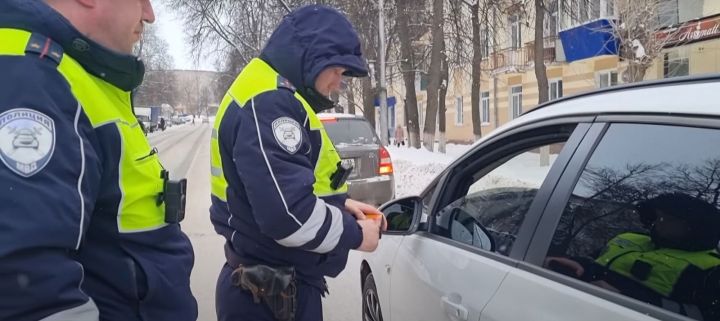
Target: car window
349 131
643 218
490 209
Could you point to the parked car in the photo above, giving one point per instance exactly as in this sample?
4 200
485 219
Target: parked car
147 125
561 181
372 179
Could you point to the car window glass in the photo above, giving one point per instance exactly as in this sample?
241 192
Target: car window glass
493 208
349 132
643 218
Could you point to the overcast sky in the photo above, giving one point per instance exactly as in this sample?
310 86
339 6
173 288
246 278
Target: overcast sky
172 30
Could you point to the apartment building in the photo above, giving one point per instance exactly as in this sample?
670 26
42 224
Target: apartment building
578 59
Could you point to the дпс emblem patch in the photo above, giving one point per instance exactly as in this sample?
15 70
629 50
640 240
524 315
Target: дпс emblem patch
287 133
27 140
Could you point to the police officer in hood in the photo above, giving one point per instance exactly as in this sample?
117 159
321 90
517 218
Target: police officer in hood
278 186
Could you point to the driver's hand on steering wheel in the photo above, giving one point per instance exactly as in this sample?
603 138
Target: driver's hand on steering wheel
564 265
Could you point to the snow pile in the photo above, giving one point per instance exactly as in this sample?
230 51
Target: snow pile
416 168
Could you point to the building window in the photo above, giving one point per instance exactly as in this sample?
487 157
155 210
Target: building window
608 8
484 43
675 65
556 89
595 9
459 110
515 32
551 23
485 107
668 12
516 101
578 11
607 79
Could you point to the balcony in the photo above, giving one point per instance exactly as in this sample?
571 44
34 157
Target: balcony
548 51
517 59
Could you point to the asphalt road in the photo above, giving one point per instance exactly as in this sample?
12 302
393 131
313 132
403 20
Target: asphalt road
185 152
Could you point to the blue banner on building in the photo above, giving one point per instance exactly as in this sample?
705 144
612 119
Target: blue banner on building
592 39
391 101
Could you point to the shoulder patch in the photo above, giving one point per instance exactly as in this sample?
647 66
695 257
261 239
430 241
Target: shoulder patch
287 133
282 82
44 47
27 140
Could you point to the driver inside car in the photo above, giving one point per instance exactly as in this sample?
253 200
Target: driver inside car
676 266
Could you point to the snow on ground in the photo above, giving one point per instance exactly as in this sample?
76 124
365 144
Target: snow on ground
416 168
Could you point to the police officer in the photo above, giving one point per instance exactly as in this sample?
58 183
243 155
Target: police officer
84 231
278 191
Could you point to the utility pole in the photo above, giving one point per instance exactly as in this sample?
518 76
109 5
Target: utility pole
383 91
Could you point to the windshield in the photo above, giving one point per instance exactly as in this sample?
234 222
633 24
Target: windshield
143 118
350 131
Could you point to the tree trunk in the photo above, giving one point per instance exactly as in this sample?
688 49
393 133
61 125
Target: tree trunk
351 98
540 69
441 102
435 75
408 72
476 73
368 101
636 71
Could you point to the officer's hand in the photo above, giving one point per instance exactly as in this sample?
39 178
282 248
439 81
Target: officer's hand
371 234
359 209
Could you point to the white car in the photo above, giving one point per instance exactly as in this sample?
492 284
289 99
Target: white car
521 226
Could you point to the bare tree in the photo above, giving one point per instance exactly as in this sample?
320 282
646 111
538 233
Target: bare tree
636 34
408 65
436 56
158 87
539 50
444 77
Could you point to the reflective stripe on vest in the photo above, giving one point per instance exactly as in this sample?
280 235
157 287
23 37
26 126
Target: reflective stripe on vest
258 77
667 264
106 105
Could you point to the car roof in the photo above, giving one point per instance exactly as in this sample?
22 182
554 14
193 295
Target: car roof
338 115
684 95
690 96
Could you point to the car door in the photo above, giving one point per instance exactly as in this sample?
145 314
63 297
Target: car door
601 201
474 235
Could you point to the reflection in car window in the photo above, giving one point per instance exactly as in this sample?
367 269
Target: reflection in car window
495 203
643 219
399 215
349 131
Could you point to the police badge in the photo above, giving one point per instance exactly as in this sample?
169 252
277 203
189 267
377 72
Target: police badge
27 140
287 133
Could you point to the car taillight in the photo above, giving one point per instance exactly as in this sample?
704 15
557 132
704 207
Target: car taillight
386 167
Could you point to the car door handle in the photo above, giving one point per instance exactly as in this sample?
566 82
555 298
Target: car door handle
453 308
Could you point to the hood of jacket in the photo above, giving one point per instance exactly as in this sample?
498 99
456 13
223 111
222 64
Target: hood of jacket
309 40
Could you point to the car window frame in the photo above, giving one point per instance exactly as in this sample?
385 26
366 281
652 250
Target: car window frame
550 219
498 148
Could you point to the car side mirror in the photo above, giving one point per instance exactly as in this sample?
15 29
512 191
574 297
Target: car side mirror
402 214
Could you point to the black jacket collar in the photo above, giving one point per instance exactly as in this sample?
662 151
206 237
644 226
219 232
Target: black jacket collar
123 71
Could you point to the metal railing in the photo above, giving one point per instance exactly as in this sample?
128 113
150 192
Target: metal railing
516 58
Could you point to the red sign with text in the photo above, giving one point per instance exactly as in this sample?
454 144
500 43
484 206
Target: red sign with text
688 32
